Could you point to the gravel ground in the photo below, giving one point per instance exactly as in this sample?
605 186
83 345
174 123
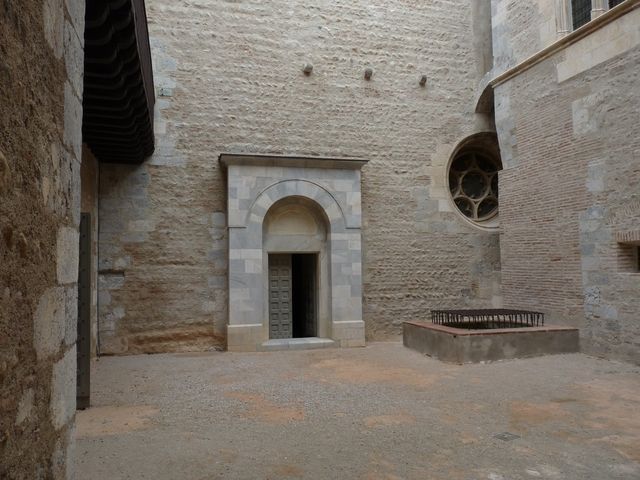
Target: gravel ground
380 412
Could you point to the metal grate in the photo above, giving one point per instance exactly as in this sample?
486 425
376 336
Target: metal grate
615 3
581 11
487 318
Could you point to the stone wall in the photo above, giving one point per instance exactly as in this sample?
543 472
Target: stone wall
570 137
229 79
521 29
41 64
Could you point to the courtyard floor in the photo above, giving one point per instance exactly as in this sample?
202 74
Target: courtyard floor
380 412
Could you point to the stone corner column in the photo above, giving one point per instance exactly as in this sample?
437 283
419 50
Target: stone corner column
564 18
598 7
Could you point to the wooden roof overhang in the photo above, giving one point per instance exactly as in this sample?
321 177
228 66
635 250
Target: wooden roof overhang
118 96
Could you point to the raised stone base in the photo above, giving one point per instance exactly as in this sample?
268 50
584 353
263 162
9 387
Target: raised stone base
311 343
254 338
460 346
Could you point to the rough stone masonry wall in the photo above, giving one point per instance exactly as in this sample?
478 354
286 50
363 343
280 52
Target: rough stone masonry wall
571 187
229 79
520 29
41 62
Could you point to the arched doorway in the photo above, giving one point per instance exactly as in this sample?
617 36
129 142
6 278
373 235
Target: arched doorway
294 213
295 250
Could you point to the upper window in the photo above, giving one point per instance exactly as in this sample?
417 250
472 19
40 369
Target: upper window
580 12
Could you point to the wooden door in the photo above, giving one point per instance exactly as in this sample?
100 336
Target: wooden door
83 342
307 283
280 306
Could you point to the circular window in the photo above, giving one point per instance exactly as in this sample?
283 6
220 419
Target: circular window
473 182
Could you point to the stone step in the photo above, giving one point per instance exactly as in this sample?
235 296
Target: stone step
310 343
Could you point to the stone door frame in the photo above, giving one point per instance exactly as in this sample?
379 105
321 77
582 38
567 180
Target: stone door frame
255 184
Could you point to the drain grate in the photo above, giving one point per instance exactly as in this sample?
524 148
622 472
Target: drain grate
506 436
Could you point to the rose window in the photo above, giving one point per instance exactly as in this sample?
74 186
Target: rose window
473 182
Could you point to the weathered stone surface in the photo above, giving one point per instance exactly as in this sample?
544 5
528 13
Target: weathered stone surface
570 185
49 322
455 345
36 201
5 174
53 16
72 121
25 407
64 459
73 58
67 255
71 315
63 390
76 10
252 97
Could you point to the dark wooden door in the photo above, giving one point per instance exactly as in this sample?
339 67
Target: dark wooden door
280 307
83 343
308 286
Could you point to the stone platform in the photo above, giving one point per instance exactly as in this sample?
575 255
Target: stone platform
457 345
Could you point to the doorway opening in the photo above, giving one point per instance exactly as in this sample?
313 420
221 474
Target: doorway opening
293 291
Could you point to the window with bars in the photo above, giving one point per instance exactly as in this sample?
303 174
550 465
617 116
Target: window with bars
613 3
581 12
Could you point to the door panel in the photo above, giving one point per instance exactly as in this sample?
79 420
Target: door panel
280 315
83 342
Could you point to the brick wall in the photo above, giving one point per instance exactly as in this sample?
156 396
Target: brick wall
571 150
229 79
41 61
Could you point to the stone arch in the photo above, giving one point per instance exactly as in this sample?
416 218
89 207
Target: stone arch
278 191
331 189
292 226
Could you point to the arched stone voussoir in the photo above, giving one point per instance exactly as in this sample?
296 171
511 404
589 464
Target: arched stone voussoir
326 202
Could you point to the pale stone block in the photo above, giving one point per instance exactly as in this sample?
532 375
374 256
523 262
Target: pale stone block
209 307
70 463
63 458
255 218
25 406
217 282
67 255
72 121
608 42
219 219
73 58
141 226
334 213
63 390
253 266
53 16
49 323
71 315
251 254
74 188
76 9
444 205
335 236
246 338
239 294
355 244
588 114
